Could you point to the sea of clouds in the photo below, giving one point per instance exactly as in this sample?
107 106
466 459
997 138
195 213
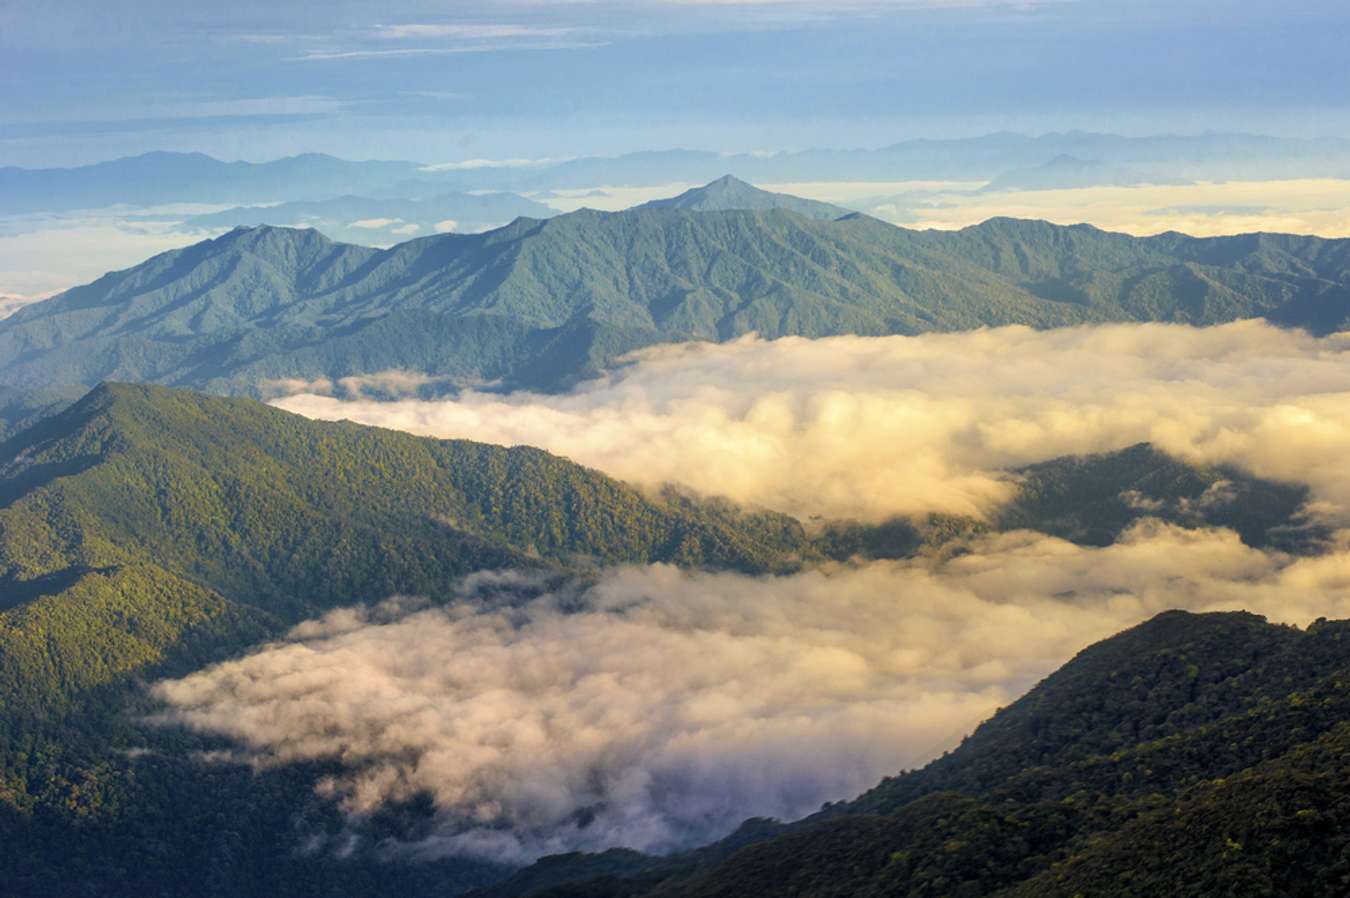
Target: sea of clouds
656 708
870 427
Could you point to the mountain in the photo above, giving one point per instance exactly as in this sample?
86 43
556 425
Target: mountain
545 303
1093 499
165 177
158 178
277 516
1192 755
1067 173
272 517
728 192
147 531
1164 158
380 220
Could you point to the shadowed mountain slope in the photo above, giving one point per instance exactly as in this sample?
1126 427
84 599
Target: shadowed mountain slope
1192 755
146 531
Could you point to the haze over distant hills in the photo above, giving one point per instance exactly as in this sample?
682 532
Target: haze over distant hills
380 221
158 178
163 177
1161 159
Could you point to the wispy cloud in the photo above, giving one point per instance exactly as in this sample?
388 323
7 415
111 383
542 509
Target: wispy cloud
465 32
469 164
366 53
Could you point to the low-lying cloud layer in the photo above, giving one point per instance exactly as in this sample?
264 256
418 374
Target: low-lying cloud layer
874 426
1318 206
659 708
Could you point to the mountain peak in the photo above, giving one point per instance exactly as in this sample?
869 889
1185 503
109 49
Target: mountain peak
731 193
727 182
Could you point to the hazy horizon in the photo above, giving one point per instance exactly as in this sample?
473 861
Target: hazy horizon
420 80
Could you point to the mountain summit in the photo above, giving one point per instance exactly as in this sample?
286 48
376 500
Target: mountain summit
731 193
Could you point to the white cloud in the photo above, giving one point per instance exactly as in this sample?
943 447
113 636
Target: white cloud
1319 206
874 426
469 164
47 255
326 55
9 303
374 224
663 707
464 31
447 225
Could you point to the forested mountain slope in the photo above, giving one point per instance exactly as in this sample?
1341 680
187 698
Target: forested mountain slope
147 531
543 303
1193 755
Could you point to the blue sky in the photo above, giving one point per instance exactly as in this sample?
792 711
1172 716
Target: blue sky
82 80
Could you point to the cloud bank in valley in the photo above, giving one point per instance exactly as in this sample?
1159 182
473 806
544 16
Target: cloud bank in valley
1318 206
658 708
875 426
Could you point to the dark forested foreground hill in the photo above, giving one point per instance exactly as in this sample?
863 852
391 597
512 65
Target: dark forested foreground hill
543 303
272 517
1194 755
147 531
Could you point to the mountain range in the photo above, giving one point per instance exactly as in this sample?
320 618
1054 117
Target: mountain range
158 178
168 177
542 304
146 531
149 529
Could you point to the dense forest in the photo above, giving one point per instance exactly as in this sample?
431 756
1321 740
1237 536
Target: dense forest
1193 755
543 303
146 532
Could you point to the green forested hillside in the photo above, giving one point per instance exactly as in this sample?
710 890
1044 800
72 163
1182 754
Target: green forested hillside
257 517
147 531
271 517
1092 499
1193 755
542 303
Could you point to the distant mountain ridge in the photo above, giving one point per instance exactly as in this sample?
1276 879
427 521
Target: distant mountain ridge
167 177
1161 158
380 220
164 177
542 304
